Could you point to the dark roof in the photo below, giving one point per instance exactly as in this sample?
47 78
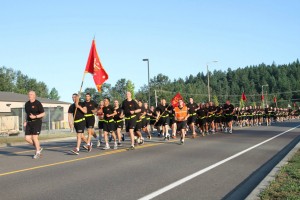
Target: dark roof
15 97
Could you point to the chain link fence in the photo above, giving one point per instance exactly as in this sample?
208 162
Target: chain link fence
56 118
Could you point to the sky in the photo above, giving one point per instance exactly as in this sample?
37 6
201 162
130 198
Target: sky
50 40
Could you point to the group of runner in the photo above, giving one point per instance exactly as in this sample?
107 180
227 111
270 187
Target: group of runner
169 120
255 116
141 120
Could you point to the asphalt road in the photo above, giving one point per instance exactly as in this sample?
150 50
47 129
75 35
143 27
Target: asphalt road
211 167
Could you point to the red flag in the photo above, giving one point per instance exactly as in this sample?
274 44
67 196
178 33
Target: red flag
95 67
275 99
175 99
262 97
244 98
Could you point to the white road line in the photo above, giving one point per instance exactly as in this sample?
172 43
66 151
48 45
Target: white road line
194 175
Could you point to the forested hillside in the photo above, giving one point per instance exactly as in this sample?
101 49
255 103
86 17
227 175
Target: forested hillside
283 83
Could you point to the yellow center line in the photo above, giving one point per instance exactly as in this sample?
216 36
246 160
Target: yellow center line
77 159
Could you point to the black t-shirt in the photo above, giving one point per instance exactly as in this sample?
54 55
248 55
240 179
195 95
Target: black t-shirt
79 113
91 105
108 110
138 115
266 111
143 111
119 112
250 111
148 113
153 115
211 109
128 106
161 108
192 107
34 108
171 111
202 112
228 109
218 110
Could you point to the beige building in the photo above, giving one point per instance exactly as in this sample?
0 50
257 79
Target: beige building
12 113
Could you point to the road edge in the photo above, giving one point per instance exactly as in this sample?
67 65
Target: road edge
13 144
254 195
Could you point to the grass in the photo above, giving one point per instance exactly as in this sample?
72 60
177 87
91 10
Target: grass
287 183
43 136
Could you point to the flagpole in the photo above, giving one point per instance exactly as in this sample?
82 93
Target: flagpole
161 114
84 73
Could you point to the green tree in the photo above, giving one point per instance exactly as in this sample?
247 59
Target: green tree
130 88
53 94
21 83
215 100
7 79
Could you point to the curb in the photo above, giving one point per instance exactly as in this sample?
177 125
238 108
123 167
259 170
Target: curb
41 141
254 195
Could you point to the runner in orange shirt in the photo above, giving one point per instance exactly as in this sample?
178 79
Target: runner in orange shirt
181 115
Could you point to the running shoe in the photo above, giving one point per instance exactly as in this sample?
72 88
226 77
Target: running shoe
106 147
173 136
168 137
75 151
142 141
119 144
181 141
137 140
98 143
230 131
85 147
131 148
90 147
115 146
37 155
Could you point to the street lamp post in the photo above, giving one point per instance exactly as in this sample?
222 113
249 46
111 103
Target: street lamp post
208 90
146 59
262 94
